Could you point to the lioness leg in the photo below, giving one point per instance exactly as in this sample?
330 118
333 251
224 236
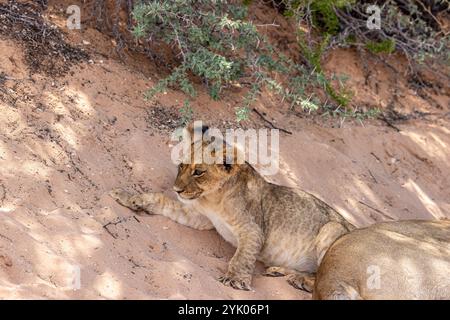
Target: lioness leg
158 203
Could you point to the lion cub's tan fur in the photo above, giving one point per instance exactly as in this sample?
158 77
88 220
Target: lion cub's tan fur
287 229
391 260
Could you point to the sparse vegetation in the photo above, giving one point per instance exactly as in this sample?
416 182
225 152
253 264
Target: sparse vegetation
44 45
384 46
186 113
215 44
317 13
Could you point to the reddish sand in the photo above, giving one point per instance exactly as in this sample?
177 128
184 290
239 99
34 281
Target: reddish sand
64 143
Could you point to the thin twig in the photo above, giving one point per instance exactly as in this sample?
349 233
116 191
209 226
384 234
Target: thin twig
5 237
269 122
373 177
3 197
431 14
388 122
107 230
16 79
377 210
273 24
113 223
375 156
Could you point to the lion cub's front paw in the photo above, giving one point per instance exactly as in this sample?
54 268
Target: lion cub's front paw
120 195
136 202
239 283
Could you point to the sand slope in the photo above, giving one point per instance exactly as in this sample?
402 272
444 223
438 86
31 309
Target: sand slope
65 142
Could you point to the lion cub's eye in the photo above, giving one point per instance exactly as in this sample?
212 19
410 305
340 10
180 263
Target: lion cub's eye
198 173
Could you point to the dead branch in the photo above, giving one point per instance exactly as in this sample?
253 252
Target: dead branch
269 122
377 210
115 223
388 122
373 177
3 194
375 156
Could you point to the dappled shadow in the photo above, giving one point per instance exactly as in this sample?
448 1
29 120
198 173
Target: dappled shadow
372 174
62 151
66 142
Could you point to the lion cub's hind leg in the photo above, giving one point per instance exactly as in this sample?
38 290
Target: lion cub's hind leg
299 280
277 272
302 281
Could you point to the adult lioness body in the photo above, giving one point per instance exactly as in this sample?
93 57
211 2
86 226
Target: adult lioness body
287 229
391 260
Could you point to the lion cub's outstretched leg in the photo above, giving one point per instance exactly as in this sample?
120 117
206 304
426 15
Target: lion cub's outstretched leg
158 203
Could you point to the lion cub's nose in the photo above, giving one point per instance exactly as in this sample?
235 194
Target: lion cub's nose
177 189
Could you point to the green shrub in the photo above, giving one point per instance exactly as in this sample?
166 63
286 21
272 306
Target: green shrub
384 46
410 27
207 34
215 43
322 13
313 55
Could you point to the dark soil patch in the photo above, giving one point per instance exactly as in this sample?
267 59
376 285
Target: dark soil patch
163 119
44 45
2 78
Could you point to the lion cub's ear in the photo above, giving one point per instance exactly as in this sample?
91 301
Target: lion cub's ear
230 163
197 127
227 167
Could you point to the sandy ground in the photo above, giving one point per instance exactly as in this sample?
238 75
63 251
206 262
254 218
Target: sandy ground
65 142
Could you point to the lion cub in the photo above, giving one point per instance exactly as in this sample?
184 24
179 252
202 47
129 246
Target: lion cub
287 229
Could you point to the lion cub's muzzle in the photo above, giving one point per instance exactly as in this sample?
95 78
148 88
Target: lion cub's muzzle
185 195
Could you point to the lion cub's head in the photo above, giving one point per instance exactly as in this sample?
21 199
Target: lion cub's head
198 176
